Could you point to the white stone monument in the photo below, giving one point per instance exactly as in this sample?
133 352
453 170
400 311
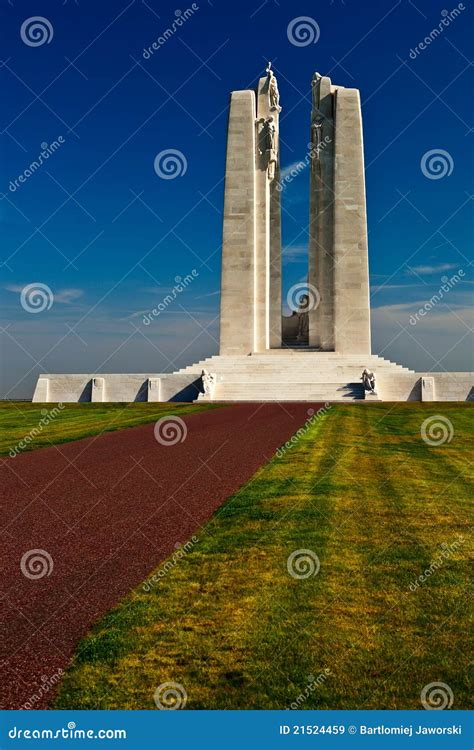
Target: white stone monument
320 352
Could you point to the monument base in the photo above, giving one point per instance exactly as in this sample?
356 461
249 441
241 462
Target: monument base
274 375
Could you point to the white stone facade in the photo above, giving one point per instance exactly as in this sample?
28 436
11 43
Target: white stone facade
254 363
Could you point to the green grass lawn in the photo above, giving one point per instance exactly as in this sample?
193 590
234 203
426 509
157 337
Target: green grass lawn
46 424
228 623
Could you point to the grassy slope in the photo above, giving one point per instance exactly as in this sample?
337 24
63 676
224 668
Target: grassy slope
364 492
75 421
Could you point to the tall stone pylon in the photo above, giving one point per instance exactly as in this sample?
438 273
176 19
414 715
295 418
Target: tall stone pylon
251 248
338 251
251 251
321 215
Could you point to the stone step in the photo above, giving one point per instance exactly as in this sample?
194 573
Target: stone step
304 373
293 367
284 391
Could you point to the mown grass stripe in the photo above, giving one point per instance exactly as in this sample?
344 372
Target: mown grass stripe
237 631
20 420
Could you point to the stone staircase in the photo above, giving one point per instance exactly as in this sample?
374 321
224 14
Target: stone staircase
300 375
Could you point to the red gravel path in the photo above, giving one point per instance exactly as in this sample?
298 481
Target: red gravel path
108 510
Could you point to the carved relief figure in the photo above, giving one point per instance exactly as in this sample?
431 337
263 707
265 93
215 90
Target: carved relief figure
268 144
317 133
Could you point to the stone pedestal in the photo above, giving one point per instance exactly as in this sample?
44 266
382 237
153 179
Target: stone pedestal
42 390
98 389
427 389
153 389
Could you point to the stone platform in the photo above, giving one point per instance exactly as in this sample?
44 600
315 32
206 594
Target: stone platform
274 375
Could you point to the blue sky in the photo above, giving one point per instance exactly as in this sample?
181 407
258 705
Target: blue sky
99 227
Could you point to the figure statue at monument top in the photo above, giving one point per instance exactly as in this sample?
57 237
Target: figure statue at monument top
273 93
316 80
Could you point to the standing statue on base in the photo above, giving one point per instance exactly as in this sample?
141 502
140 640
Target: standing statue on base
303 319
368 381
273 93
208 382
